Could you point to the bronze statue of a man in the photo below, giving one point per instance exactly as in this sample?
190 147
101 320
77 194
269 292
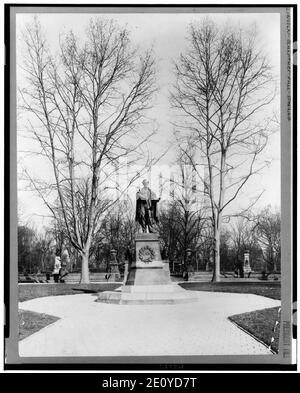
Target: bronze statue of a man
146 208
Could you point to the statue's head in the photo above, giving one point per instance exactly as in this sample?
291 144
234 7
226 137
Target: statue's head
145 183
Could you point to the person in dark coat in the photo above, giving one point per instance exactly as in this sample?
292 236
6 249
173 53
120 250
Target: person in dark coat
63 272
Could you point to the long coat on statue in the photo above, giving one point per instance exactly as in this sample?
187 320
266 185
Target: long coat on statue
146 208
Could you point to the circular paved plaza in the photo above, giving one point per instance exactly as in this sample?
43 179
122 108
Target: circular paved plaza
89 328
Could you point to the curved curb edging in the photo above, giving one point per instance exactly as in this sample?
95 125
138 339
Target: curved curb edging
255 338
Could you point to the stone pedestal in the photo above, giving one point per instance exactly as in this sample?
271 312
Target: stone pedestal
148 280
247 267
114 266
148 269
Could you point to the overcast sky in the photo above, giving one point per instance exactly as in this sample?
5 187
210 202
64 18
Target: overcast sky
166 34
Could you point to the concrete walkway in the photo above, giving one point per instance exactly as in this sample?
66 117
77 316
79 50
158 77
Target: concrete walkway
88 328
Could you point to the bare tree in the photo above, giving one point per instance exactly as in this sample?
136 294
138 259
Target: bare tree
242 238
223 84
183 222
116 232
241 235
267 230
87 109
34 250
44 248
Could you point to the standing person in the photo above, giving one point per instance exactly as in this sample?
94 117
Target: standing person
63 272
57 266
185 274
128 254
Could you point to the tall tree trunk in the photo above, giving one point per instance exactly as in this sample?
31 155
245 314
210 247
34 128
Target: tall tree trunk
216 273
85 277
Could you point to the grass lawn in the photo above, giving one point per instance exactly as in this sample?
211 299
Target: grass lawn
267 289
32 291
31 322
261 324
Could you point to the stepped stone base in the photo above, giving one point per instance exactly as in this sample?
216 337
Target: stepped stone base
150 294
148 280
156 294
